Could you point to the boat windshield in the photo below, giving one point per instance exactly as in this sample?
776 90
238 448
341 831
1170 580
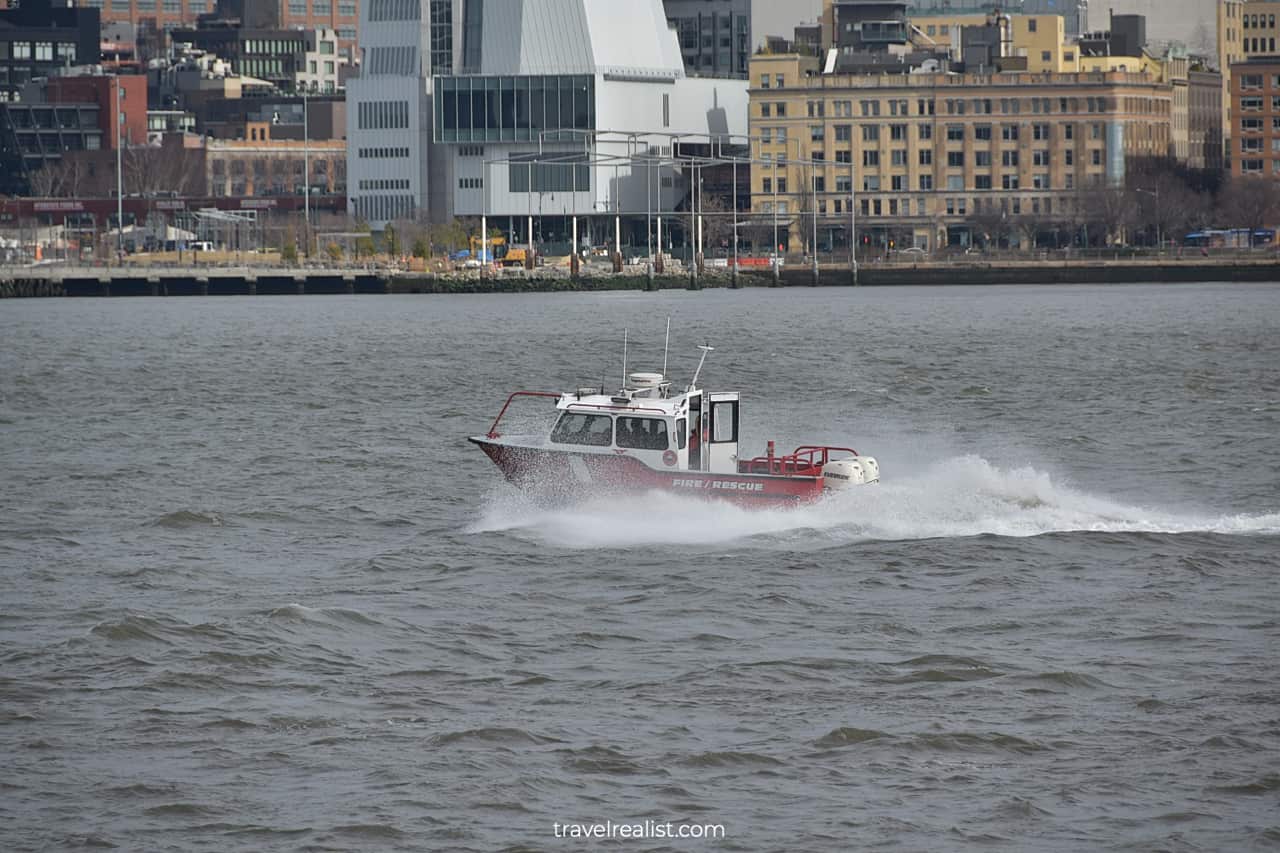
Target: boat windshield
643 433
578 428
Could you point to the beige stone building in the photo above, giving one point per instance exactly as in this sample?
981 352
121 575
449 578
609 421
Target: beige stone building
261 166
921 157
1040 39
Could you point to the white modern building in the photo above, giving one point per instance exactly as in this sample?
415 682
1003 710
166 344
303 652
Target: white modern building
404 43
321 64
564 108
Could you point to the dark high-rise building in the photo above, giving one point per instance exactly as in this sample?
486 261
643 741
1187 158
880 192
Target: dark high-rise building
715 35
40 37
1075 13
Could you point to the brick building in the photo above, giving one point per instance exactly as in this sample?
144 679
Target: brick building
166 15
1255 117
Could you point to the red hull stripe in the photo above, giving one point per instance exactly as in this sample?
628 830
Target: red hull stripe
610 473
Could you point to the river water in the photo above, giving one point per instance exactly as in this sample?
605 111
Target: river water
258 593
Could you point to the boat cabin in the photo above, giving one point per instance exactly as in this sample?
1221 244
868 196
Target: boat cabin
694 430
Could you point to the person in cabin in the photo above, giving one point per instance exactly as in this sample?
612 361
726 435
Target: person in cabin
626 433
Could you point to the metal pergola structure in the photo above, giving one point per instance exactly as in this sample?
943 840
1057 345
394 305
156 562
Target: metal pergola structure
646 160
227 228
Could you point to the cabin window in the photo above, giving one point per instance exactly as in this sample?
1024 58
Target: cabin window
643 433
576 428
724 417
680 431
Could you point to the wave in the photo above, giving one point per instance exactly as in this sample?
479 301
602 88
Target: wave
960 497
298 613
184 519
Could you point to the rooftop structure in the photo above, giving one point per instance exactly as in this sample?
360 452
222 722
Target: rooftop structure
715 35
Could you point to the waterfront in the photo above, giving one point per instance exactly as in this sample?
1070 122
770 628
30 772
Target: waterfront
274 280
261 595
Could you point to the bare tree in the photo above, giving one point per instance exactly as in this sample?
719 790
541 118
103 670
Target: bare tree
717 224
65 178
1107 212
43 182
150 170
1250 203
989 224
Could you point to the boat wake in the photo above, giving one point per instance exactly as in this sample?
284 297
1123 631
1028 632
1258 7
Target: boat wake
960 497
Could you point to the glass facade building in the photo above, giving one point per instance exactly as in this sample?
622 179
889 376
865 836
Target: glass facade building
514 109
552 173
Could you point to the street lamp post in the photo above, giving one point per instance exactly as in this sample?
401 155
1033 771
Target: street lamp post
1159 233
119 170
853 225
773 253
648 226
813 181
306 171
734 275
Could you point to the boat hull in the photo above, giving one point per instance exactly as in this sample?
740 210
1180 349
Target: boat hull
569 475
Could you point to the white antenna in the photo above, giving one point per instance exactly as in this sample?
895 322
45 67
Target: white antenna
624 359
705 349
666 347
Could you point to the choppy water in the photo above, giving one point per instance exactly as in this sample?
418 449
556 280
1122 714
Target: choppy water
259 594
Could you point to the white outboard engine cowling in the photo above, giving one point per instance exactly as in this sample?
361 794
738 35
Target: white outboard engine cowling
850 471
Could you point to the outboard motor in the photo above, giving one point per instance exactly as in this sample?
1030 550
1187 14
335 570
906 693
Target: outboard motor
850 471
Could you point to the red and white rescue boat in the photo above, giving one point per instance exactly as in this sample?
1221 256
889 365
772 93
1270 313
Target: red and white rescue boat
647 436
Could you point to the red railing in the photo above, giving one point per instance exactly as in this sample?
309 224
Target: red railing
806 461
493 430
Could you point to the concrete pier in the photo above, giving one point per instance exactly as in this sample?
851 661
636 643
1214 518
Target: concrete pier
50 281
186 281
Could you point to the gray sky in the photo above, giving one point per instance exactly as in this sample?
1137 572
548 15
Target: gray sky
1166 19
779 17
